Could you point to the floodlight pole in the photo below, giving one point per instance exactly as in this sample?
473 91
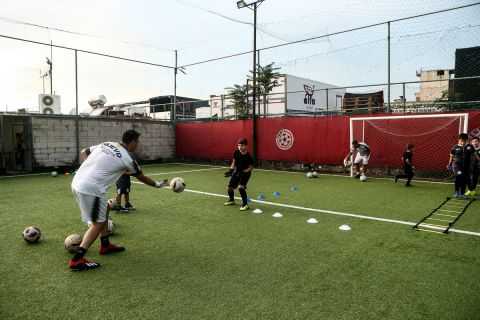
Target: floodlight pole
173 111
254 89
253 6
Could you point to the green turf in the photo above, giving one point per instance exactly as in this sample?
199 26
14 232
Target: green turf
188 257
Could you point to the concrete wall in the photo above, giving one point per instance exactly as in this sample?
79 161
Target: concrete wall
54 138
430 91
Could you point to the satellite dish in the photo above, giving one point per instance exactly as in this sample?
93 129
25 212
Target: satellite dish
98 101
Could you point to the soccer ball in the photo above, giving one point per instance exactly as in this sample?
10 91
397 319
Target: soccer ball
363 178
54 173
309 175
112 203
314 174
72 242
32 234
110 226
177 185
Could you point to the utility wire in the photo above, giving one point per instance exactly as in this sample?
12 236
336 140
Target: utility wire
221 15
334 33
83 34
400 38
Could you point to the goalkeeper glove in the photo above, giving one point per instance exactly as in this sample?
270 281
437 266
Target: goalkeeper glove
229 173
161 184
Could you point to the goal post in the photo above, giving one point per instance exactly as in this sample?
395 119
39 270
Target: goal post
433 135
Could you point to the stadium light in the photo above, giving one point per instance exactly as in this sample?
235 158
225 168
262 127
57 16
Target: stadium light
241 4
253 6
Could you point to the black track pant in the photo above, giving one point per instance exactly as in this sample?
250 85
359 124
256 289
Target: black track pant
473 180
461 183
408 174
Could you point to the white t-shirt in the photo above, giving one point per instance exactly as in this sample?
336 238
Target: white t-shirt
104 165
363 149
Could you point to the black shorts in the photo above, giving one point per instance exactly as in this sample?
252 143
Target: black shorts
408 169
460 169
123 190
239 179
123 185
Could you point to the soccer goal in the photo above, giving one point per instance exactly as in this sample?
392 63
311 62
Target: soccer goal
433 136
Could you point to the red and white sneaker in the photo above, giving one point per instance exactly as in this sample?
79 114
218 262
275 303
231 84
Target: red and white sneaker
82 264
111 248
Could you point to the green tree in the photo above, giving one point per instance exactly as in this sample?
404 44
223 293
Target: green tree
238 93
267 79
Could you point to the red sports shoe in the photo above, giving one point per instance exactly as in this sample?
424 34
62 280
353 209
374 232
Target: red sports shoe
82 264
111 248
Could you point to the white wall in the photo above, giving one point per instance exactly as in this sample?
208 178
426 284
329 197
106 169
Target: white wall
203 112
300 101
54 138
289 96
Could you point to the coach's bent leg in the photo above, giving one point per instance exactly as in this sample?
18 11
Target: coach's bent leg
92 234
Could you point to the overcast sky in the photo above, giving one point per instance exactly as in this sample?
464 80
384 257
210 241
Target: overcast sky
152 30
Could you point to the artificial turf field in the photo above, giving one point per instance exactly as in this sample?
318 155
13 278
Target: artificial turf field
189 257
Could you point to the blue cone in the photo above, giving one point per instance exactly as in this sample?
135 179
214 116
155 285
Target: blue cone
261 197
276 194
294 189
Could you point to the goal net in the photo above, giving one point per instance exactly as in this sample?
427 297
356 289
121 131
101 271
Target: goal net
432 135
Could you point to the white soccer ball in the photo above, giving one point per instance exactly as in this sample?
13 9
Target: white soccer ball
112 203
314 174
110 226
32 234
72 242
309 175
177 185
363 178
54 173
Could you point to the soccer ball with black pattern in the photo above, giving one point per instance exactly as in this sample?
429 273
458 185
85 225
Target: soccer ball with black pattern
177 185
31 234
72 242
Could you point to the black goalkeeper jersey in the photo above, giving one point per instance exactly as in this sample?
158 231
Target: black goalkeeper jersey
476 159
407 158
462 155
242 161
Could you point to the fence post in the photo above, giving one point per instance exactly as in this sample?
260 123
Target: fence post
77 120
173 110
222 99
404 99
388 40
326 94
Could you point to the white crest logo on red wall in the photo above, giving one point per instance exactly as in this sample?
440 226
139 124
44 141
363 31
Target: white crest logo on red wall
475 133
284 139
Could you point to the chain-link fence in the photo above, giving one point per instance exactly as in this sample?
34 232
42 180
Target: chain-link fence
424 63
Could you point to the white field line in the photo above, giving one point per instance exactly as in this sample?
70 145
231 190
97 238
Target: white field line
24 175
155 174
322 174
184 171
344 214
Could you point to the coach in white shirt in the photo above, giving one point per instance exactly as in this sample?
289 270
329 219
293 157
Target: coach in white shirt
102 165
